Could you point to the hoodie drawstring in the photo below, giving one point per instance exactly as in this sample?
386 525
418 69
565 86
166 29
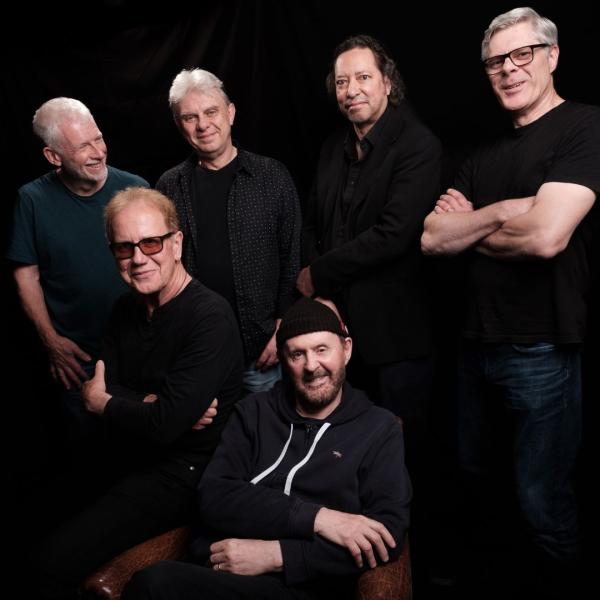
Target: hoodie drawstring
293 470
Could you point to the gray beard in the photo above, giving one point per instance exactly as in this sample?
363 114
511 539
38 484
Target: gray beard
312 406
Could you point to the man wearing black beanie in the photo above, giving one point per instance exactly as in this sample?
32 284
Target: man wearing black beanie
286 496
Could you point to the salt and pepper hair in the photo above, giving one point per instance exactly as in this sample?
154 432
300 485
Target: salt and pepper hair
49 116
544 29
152 198
194 80
384 63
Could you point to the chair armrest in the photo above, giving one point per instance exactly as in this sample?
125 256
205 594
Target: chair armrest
109 580
392 581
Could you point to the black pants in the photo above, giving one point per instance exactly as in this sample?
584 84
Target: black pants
170 580
403 387
137 508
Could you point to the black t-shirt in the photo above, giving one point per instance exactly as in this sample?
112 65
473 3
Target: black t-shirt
529 301
211 193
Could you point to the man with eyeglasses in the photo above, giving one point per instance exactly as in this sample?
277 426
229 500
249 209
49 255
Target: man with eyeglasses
240 217
66 278
522 207
172 347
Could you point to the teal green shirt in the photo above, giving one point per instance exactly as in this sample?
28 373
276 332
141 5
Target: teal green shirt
63 234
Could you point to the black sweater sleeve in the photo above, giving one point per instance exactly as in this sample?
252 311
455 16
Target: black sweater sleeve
198 349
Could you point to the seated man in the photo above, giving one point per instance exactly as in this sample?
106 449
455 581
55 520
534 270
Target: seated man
307 488
172 348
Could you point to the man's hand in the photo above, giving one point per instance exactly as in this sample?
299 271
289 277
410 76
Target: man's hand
63 354
330 304
358 533
304 283
94 391
246 557
452 201
207 418
268 356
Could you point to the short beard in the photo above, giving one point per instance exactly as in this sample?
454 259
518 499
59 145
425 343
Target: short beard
313 405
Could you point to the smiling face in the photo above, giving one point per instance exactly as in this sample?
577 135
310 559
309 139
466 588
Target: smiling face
360 88
80 154
316 363
526 91
157 276
205 120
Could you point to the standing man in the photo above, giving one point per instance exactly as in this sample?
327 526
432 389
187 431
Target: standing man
375 182
66 278
523 207
172 347
240 218
307 488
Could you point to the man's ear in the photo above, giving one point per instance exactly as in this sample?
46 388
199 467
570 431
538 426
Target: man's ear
52 156
553 58
347 349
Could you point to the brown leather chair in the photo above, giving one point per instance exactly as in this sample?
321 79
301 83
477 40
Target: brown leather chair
387 582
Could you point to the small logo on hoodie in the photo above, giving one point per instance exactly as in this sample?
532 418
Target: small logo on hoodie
337 453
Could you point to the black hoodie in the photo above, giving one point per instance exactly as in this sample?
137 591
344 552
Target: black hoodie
274 470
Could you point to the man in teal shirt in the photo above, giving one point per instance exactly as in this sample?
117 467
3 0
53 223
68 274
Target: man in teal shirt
65 275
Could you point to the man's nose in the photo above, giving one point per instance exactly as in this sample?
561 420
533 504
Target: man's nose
138 256
311 364
353 88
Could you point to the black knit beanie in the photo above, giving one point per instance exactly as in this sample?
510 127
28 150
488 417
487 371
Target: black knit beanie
308 316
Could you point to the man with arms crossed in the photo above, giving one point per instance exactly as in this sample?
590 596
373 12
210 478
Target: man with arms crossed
523 207
172 347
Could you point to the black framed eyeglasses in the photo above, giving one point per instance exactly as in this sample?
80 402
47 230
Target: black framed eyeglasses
148 246
518 57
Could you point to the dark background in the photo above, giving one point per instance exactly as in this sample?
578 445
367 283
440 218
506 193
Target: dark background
119 57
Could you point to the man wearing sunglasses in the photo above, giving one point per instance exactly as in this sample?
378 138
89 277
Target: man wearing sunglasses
172 347
66 278
523 209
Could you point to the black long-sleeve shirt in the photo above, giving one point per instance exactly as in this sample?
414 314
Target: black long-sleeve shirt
187 354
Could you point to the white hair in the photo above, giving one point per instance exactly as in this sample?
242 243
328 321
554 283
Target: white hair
194 79
47 118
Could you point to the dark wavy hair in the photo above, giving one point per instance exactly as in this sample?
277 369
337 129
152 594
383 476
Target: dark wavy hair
384 63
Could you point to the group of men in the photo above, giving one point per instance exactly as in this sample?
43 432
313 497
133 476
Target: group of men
309 477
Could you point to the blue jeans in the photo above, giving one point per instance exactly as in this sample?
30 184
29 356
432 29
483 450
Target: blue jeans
538 388
259 381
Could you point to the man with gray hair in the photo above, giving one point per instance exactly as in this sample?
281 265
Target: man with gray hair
240 217
66 279
523 209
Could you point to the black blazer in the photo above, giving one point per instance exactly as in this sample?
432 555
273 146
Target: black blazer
377 277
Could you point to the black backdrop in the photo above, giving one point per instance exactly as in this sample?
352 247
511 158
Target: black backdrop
119 57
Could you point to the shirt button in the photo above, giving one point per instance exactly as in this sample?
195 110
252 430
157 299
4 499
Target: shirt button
192 468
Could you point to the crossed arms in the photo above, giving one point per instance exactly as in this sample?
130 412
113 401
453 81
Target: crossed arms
534 227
